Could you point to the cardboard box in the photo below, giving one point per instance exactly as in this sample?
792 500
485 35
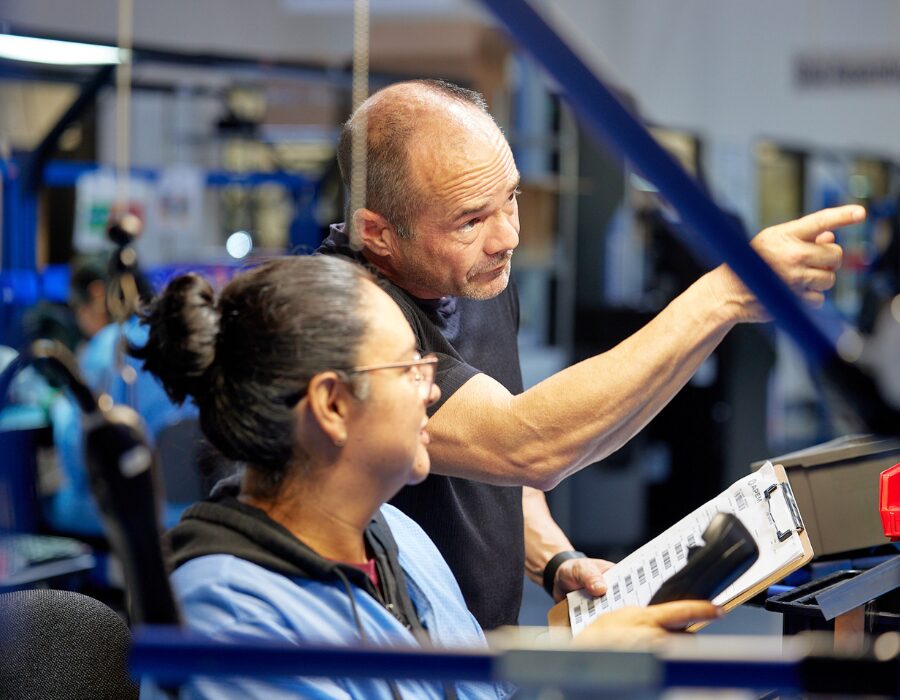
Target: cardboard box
836 488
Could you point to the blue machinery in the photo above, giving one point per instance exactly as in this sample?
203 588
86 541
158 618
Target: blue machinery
20 284
171 655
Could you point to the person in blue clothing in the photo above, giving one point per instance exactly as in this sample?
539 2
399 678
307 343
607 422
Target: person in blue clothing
307 372
107 369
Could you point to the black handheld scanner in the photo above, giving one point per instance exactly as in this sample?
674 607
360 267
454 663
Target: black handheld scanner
728 551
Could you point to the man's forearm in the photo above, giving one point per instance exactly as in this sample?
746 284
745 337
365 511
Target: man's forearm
543 537
583 413
544 540
587 411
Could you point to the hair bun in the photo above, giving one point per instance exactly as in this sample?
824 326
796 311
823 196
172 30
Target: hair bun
184 324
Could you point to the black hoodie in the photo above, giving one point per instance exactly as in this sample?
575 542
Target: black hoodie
223 525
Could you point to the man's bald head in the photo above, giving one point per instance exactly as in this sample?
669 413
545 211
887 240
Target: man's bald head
396 116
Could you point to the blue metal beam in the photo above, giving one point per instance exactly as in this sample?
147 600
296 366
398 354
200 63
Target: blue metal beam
65 173
169 654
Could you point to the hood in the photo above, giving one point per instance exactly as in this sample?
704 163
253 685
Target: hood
338 243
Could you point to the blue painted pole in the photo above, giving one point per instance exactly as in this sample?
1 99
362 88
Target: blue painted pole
171 655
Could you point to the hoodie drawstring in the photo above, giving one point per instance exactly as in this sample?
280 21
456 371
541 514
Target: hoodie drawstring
395 691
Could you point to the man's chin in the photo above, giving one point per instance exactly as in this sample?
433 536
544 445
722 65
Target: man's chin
487 289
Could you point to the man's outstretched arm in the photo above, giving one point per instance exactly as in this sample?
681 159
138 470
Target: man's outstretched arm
587 411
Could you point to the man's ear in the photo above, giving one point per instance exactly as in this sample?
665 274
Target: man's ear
374 232
327 404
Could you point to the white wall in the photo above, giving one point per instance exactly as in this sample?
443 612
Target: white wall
726 66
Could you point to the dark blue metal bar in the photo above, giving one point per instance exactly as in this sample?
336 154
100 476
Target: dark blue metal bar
20 222
756 675
171 655
611 123
63 173
860 589
33 168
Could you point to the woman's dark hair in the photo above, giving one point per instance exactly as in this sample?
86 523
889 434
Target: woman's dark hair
246 356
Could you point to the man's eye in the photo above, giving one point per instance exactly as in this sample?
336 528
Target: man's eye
470 224
515 193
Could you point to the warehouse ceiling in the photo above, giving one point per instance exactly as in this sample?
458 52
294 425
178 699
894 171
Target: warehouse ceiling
294 30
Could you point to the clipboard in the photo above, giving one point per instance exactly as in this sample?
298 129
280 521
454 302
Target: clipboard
778 504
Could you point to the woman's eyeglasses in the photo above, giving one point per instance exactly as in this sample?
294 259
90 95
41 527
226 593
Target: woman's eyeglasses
421 369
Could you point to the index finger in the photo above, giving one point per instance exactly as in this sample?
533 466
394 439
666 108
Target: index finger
680 613
810 226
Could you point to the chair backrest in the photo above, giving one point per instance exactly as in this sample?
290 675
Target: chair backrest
188 464
180 447
59 644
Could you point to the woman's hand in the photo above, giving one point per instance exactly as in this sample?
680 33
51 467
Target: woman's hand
637 627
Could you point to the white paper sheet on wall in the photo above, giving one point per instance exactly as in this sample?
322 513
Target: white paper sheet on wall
635 579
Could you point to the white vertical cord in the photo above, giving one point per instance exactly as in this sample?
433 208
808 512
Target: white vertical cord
360 91
118 306
123 100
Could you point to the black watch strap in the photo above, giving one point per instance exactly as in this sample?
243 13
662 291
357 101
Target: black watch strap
554 564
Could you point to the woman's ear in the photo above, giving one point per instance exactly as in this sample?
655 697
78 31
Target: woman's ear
328 403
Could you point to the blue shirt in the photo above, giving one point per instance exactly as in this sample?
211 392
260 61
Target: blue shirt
72 507
229 598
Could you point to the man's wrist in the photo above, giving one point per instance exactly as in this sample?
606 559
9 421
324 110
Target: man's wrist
726 296
549 578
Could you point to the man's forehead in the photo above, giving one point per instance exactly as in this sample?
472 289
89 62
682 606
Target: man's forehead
447 146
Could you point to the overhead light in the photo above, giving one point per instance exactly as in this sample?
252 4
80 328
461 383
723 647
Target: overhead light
61 53
239 244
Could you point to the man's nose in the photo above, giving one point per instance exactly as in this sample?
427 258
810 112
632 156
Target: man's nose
503 236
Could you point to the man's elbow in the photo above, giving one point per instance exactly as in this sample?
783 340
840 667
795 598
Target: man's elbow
539 471
546 482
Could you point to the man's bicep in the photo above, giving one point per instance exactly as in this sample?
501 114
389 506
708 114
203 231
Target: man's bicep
469 432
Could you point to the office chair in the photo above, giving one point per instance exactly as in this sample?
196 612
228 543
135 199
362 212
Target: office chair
59 644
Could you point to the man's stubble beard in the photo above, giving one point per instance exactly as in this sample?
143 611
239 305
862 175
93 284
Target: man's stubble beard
491 290
423 277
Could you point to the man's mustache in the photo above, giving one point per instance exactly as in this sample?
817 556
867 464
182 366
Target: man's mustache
493 262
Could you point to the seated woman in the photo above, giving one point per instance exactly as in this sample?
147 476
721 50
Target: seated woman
71 508
307 372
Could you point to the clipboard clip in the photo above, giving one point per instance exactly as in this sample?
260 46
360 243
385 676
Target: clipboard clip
797 522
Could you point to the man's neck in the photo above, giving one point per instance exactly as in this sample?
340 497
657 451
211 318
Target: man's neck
390 273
